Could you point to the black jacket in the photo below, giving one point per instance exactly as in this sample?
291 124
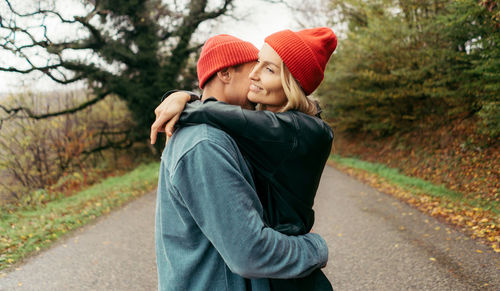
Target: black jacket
287 151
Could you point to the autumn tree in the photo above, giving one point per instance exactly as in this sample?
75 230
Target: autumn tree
132 49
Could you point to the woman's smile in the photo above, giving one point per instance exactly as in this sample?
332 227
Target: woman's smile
255 88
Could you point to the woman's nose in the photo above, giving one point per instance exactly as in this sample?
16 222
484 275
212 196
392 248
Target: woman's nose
253 74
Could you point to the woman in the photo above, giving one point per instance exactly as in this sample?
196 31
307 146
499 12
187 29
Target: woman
284 142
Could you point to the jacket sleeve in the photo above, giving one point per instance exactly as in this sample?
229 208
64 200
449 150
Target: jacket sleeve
226 208
266 138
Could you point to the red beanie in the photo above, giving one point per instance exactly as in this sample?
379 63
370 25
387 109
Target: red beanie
305 53
223 51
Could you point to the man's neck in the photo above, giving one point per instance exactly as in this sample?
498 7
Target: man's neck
218 93
212 92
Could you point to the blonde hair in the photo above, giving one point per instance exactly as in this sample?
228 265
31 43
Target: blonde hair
297 99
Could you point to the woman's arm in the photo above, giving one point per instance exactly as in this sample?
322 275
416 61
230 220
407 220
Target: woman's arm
265 137
168 112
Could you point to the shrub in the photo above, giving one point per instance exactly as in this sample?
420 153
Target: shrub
55 153
490 119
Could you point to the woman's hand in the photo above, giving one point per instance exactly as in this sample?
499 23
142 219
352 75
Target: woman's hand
168 113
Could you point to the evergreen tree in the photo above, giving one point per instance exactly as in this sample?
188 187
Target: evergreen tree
473 28
410 63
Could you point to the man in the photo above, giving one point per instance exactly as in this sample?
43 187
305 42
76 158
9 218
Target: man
210 233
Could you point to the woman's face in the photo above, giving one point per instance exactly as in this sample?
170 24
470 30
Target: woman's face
265 80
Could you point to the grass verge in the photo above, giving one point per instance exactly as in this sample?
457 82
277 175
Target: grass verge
29 230
480 219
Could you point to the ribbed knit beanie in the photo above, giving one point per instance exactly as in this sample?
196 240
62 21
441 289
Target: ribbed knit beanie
305 53
222 51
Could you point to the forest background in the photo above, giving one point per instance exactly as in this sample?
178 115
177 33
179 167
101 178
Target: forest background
413 86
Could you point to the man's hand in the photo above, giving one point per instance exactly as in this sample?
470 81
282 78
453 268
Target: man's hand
168 113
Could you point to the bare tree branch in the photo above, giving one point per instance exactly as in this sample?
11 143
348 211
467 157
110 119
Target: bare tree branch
195 48
37 12
281 2
31 114
124 143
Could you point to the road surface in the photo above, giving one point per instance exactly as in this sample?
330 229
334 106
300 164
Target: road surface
375 242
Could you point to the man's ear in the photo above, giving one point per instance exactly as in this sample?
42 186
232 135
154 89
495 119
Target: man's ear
224 75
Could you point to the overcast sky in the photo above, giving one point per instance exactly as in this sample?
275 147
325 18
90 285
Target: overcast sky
262 19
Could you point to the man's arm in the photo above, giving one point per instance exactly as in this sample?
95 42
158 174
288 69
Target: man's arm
210 180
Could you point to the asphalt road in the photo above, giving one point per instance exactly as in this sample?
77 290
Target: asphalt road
375 241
